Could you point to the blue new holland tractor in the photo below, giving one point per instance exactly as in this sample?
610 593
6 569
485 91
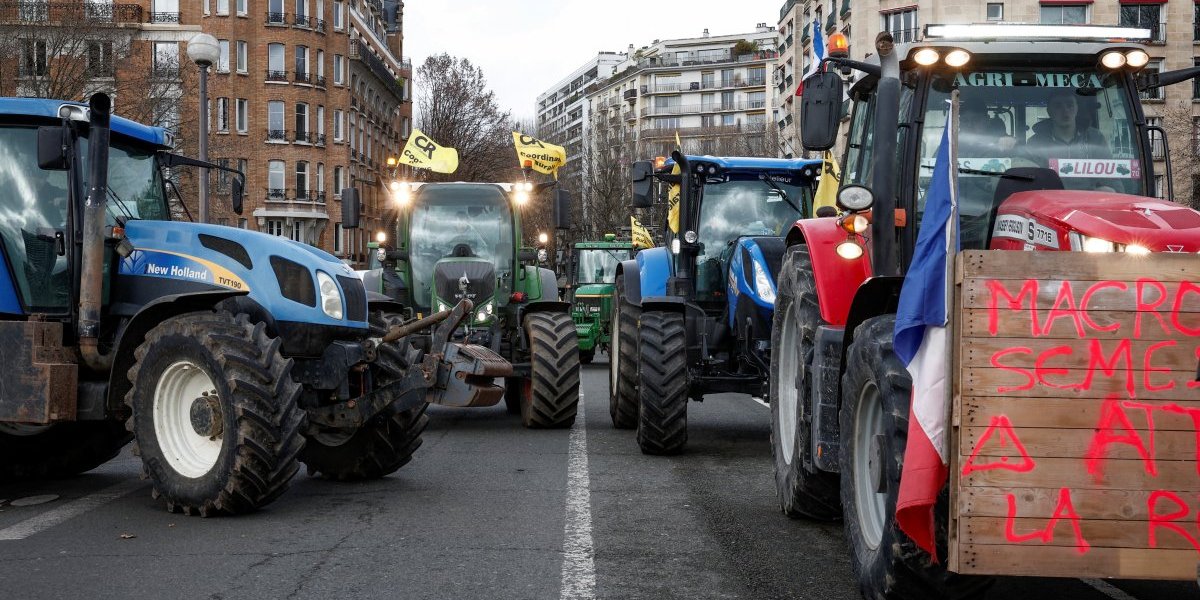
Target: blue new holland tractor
228 356
694 317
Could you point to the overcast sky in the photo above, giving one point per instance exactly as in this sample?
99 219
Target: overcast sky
526 46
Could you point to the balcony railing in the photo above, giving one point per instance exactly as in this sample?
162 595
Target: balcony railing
905 36
276 194
277 75
300 77
319 80
683 109
66 12
277 18
321 196
319 139
302 137
656 132
276 135
303 21
318 25
164 17
831 22
377 68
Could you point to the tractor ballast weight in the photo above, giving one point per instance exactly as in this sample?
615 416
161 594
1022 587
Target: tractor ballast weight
228 356
833 367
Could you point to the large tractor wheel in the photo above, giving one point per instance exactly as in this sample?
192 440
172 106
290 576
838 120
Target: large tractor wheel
623 362
803 490
215 418
662 383
874 427
552 392
387 441
60 450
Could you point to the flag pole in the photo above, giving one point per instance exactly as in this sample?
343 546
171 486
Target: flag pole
951 259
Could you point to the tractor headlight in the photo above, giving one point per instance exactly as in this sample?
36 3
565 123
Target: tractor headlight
486 312
762 283
1096 244
331 297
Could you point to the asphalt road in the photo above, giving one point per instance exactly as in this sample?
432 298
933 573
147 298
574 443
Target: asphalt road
486 510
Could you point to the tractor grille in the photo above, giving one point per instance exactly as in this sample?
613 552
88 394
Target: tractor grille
356 297
586 308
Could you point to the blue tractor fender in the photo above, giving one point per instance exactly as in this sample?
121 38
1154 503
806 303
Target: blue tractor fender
654 269
631 282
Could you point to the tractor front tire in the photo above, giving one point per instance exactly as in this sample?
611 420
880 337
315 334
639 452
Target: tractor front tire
60 450
387 441
803 491
623 362
662 383
874 425
553 389
215 419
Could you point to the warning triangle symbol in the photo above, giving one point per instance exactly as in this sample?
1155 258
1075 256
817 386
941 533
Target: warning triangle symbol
999 434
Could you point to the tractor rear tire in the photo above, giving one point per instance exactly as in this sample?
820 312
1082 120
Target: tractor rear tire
874 424
387 441
552 398
513 388
587 356
215 418
60 450
623 362
662 384
803 491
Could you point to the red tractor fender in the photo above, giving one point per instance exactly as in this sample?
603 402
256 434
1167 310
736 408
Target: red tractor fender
837 278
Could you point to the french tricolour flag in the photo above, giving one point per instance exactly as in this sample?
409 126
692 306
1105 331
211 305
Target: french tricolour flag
922 341
818 45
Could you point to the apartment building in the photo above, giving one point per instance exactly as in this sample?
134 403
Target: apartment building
710 90
308 96
1174 27
563 113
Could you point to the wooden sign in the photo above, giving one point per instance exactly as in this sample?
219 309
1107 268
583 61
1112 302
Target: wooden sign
1075 445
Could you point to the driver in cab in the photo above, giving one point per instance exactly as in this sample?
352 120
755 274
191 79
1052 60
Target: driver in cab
462 233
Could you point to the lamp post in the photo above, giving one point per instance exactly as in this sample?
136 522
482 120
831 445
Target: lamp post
204 51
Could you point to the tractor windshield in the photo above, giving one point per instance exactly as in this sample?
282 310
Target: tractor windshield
466 220
738 207
599 265
1074 128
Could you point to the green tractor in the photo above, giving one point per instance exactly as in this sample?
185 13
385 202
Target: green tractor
456 241
593 276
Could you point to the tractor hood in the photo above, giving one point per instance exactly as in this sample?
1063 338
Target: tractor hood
278 274
594 289
1158 225
457 278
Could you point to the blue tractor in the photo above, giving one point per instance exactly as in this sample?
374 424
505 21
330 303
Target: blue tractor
228 356
694 317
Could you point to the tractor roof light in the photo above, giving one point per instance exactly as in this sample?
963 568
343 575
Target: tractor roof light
543 238
838 46
926 56
381 236
659 162
957 58
1137 58
1113 60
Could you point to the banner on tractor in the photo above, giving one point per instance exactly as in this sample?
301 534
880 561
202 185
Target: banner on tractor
423 153
827 187
543 157
674 192
641 235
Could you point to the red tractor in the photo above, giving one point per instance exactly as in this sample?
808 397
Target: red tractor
1054 153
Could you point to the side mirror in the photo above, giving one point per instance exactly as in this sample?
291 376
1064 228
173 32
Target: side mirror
526 256
351 207
237 193
394 255
52 155
562 209
642 175
820 110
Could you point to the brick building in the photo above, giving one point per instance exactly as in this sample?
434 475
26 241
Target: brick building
309 96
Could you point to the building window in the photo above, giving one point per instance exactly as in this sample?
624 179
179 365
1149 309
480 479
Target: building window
166 60
274 227
1076 14
275 189
1159 190
222 7
243 115
321 124
275 131
275 69
298 232
243 56
339 181
337 238
1147 16
902 25
1157 149
222 175
1155 66
320 181
337 15
223 115
995 11
337 125
1196 81
338 78
242 223
301 62
275 15
223 60
301 179
320 67
241 8
301 122
100 59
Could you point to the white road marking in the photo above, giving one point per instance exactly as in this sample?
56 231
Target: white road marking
69 510
760 401
579 567
1108 589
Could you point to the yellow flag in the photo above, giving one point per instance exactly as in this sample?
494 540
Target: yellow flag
423 153
543 157
673 202
827 187
641 235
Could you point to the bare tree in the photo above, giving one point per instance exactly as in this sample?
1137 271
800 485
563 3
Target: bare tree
608 156
457 110
1183 132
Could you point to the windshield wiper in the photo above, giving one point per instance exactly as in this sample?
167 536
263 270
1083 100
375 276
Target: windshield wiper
775 186
989 173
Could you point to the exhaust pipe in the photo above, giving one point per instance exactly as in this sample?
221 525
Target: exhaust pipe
91 287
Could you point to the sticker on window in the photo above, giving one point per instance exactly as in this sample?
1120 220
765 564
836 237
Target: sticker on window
1096 167
1002 79
967 165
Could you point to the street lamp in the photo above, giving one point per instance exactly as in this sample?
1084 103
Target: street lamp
204 51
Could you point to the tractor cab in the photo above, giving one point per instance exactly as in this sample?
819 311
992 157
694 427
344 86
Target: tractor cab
593 273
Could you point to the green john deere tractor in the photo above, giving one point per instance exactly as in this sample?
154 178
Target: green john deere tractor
593 276
463 240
